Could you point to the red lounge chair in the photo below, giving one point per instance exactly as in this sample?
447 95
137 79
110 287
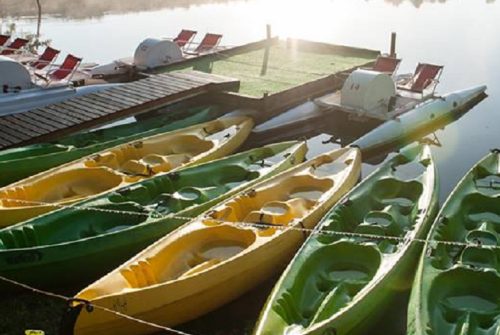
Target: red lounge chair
64 72
46 58
185 37
14 46
4 39
386 64
209 42
426 76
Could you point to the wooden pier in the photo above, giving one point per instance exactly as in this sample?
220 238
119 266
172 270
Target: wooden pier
53 121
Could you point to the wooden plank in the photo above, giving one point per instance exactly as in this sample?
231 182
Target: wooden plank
7 138
121 97
136 92
149 86
33 130
119 101
20 129
57 117
193 78
169 87
186 81
42 119
79 111
8 129
5 143
105 108
170 79
164 84
23 117
210 77
83 106
78 116
174 86
144 89
119 105
127 93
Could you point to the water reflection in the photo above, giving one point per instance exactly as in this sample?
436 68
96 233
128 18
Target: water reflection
418 3
98 8
92 8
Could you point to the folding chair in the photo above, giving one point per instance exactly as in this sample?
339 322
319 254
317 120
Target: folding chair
4 39
63 72
426 76
14 47
185 38
386 64
48 56
208 43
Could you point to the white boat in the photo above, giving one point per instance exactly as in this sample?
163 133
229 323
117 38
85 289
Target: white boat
368 94
421 120
18 92
149 54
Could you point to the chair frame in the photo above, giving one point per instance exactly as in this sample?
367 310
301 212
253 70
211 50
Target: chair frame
38 61
46 76
187 43
429 83
11 50
201 48
396 60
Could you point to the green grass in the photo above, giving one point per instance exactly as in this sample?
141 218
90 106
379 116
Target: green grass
287 67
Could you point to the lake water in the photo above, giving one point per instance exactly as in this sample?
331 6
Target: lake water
460 34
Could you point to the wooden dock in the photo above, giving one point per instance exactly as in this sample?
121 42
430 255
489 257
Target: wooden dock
83 112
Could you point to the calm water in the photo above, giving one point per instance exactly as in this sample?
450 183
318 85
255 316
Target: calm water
461 34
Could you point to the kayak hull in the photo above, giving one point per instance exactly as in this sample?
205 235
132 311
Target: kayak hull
19 163
456 286
345 276
121 166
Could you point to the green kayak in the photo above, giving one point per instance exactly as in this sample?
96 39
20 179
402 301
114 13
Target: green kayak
360 255
457 287
19 163
79 244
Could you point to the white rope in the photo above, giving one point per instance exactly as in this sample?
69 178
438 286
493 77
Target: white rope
315 231
108 310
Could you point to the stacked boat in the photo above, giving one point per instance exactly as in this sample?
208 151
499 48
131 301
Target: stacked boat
160 221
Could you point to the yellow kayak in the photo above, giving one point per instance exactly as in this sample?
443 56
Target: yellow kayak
216 258
119 166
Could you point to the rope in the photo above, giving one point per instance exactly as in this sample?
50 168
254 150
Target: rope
108 310
314 231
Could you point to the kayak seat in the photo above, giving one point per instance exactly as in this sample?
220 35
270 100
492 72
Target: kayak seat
196 251
455 298
73 184
484 236
280 213
191 195
188 144
379 223
395 192
108 159
479 258
139 274
335 274
19 237
68 185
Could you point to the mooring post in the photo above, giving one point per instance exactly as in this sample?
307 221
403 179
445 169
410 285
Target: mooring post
393 45
263 70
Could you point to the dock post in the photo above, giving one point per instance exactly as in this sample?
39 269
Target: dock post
265 61
393 45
